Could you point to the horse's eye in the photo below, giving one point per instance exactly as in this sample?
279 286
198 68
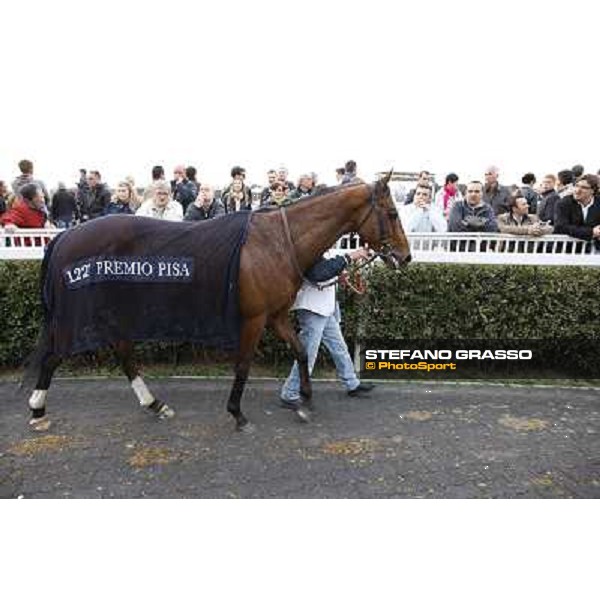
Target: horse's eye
393 214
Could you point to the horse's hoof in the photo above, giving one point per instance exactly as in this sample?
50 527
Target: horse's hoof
303 414
41 424
246 427
308 405
166 412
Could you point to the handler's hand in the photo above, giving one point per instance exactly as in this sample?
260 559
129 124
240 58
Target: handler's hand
362 252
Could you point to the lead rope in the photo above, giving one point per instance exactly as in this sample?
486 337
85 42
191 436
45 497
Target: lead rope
353 280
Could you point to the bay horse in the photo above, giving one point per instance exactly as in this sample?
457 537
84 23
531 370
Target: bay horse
281 244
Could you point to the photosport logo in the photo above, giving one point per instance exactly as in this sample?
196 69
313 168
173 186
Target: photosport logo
481 359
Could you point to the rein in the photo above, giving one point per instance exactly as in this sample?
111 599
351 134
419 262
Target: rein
288 237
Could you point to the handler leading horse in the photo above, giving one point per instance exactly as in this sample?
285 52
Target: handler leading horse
281 244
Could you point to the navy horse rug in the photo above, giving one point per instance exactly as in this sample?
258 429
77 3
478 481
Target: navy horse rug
136 278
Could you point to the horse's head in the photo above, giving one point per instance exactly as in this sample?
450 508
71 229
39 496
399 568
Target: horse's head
380 226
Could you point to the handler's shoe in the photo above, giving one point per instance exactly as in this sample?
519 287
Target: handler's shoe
290 404
363 389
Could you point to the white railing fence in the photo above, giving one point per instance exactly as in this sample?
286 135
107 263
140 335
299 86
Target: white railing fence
492 248
468 248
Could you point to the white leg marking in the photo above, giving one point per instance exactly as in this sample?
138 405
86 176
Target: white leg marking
38 399
142 392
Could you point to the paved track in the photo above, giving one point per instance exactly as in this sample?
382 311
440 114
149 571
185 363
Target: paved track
406 441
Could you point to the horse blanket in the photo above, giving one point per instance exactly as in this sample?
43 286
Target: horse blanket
124 277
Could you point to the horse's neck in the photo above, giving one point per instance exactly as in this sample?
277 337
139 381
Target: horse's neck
318 223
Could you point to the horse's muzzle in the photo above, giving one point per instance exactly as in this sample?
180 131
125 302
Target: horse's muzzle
395 260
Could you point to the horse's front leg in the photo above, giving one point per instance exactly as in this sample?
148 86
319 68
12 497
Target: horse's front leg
251 331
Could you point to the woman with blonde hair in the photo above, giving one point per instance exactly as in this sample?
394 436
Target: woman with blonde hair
136 200
122 201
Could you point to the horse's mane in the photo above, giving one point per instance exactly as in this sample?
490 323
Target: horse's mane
321 191
324 191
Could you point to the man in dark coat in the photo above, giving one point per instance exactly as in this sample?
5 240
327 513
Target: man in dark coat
472 214
549 198
95 199
494 194
579 215
206 206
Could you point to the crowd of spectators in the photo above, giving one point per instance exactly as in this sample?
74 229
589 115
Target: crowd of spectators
567 202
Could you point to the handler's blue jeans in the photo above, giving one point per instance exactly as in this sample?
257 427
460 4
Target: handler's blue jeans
315 328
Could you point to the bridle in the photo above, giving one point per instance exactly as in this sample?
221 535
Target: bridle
384 236
385 233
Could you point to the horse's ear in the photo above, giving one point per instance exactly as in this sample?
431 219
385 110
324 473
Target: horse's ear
386 178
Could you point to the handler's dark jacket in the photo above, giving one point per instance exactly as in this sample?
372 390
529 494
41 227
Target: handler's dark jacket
326 268
568 219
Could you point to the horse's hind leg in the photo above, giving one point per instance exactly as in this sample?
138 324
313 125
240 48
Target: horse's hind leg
37 401
251 332
124 353
284 329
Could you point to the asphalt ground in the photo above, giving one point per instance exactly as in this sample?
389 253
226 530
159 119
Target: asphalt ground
407 440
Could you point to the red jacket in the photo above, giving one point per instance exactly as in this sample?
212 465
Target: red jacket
23 216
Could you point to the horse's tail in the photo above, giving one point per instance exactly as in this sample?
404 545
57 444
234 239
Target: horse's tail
33 362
